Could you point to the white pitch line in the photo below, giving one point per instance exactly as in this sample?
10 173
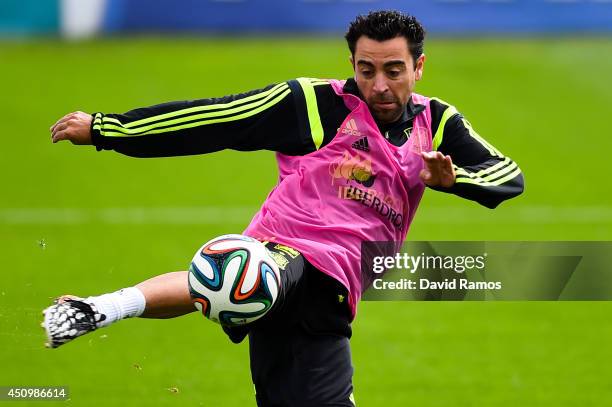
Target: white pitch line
523 214
207 215
218 215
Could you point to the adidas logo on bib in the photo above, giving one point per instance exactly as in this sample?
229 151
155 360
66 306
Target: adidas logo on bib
351 128
362 144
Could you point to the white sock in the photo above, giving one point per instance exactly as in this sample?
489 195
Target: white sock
126 303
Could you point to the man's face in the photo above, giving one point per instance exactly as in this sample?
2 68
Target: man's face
385 75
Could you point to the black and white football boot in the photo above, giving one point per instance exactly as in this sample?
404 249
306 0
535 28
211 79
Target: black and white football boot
69 318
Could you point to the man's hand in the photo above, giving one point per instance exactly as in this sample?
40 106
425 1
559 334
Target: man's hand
438 171
75 127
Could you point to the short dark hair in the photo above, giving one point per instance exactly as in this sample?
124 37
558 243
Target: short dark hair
385 25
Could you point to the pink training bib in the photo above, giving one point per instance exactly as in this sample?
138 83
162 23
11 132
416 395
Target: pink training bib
357 188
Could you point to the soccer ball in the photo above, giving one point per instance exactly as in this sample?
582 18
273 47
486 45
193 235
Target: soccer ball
233 280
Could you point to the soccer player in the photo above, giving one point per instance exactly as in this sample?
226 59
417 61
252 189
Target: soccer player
354 158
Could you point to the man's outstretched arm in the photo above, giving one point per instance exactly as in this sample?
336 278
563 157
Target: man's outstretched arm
264 119
467 165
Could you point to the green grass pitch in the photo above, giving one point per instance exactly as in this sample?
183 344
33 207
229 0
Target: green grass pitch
73 220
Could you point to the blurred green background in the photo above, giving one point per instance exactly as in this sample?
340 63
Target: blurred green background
73 220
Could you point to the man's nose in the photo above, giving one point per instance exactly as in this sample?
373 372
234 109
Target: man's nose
380 84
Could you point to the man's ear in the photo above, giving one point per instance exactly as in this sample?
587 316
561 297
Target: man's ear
352 61
418 72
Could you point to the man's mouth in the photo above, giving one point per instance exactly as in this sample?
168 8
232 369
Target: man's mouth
385 105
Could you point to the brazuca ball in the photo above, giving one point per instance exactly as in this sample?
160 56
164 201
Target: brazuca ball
233 280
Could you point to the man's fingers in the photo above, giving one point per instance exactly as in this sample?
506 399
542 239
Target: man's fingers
448 164
434 161
438 169
437 159
425 175
59 127
62 120
56 123
426 156
59 132
431 156
59 136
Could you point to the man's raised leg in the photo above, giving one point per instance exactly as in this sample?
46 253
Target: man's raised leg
163 296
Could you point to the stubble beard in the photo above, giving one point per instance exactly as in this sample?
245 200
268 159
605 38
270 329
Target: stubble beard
386 116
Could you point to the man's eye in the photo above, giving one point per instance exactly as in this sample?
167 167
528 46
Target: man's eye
394 74
366 73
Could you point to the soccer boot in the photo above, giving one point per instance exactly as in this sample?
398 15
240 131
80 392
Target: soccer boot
69 318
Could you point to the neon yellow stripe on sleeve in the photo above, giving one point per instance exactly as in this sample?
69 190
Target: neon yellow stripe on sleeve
316 129
111 133
498 182
224 107
489 176
492 150
203 116
485 171
448 113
